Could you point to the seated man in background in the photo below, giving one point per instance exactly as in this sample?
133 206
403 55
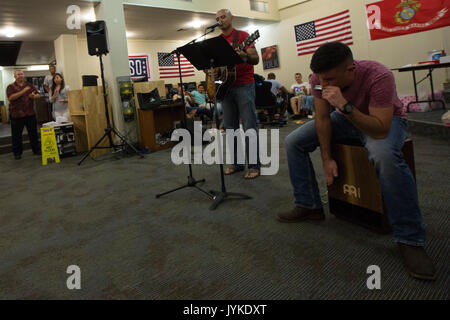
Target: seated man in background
199 96
369 113
298 89
280 92
277 87
306 104
192 109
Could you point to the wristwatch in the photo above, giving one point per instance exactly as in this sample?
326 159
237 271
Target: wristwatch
245 59
347 109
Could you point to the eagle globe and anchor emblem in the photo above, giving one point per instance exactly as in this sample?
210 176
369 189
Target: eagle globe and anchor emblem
408 11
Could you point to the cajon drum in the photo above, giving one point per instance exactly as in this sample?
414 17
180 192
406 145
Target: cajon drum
356 194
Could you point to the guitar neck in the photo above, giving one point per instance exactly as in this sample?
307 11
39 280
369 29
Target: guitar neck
250 39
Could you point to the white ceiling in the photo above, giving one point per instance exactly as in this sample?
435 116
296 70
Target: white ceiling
163 24
40 22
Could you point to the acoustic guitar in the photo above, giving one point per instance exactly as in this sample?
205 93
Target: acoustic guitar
226 76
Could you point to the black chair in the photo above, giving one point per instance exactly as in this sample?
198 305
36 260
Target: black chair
266 103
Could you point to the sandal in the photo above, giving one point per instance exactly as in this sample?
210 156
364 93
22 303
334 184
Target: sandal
232 169
252 174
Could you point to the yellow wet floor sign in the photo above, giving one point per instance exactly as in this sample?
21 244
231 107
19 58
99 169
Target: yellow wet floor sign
49 146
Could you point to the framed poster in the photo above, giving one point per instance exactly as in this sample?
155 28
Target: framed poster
270 57
139 66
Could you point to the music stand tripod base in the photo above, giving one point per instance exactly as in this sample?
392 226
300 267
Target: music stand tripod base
191 183
220 197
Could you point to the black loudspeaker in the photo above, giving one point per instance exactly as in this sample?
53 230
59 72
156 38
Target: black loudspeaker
89 81
96 38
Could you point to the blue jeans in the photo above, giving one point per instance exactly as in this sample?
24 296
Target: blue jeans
239 103
396 181
219 110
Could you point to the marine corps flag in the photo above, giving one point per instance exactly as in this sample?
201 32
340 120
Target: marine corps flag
391 18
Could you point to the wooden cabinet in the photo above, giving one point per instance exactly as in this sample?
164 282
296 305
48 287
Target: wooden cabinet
160 121
87 112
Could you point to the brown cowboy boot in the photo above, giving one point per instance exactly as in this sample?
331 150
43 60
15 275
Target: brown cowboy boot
417 262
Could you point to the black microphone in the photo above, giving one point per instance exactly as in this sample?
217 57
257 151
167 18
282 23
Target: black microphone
218 24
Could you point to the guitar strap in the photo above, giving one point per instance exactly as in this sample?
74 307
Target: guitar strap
235 38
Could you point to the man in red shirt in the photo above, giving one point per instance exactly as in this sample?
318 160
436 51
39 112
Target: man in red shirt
239 103
21 109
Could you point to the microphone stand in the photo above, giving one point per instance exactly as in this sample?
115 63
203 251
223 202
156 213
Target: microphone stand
223 194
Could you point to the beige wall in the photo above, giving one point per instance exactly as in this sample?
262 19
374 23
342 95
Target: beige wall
393 52
88 65
67 60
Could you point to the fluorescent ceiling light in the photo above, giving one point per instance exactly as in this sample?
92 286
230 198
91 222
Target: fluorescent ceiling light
38 68
130 34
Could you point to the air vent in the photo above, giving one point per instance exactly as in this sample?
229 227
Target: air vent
9 52
257 5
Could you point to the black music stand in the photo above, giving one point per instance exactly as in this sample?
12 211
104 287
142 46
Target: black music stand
209 54
192 182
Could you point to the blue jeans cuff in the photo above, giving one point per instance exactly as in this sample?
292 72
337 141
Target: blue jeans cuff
410 243
308 207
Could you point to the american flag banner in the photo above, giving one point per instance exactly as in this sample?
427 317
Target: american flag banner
168 67
311 35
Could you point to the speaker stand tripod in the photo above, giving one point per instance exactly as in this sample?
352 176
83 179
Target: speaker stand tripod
109 128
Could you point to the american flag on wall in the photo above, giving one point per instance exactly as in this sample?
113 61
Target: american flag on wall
168 67
311 35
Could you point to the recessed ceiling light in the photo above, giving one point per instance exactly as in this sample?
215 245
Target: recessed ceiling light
9 32
196 24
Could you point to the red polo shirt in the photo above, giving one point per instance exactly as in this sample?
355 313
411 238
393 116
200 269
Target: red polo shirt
244 71
23 106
